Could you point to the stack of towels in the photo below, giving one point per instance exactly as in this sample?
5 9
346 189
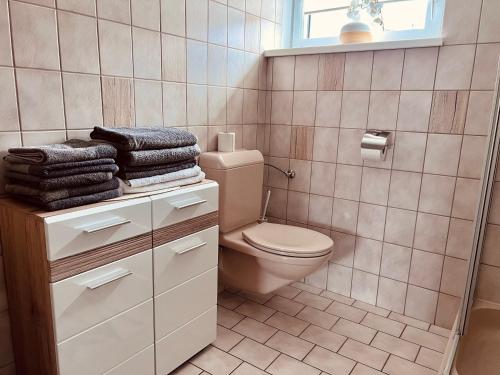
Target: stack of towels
153 158
64 175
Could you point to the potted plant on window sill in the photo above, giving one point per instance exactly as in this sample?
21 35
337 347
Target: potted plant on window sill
363 13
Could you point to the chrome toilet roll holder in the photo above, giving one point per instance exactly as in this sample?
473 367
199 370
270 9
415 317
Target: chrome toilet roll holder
376 140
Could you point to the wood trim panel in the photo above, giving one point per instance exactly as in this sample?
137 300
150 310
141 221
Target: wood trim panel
184 228
73 265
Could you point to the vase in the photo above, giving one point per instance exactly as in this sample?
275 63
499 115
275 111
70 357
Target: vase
356 32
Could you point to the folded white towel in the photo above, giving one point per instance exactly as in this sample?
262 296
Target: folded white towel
127 189
162 178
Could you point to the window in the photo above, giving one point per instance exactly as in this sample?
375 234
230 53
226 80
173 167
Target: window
318 22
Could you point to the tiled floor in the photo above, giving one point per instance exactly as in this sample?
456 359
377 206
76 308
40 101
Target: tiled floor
302 330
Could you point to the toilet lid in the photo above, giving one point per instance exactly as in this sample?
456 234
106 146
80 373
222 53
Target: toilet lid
288 240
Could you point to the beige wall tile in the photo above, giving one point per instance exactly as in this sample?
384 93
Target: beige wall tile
5 46
479 113
409 151
173 17
375 186
82 100
250 103
414 110
302 178
328 108
251 70
118 102
419 68
367 255
146 14
197 62
36 138
173 58
280 140
446 313
306 72
148 103
235 106
454 70
436 195
348 182
252 33
387 69
115 47
345 218
371 220
339 279
355 109
8 100
297 207
383 111
472 156
174 104
325 144
442 154
487 283
323 178
448 112
217 105
358 70
459 242
197 105
197 19
466 197
282 104
235 28
301 143
404 190
147 54
79 6
304 108
115 10
485 66
331 71
391 294
420 304
461 21
454 276
267 35
349 151
217 23
425 270
489 28
283 73
395 262
431 232
364 286
400 226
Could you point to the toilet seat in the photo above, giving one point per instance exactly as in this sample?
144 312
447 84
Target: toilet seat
287 240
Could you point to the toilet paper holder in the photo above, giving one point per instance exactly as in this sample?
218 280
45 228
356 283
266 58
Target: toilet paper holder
376 140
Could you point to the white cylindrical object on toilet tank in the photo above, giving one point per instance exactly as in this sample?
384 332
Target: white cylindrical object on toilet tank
226 142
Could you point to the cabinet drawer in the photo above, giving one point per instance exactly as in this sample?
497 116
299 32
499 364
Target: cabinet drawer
108 344
85 300
142 363
176 348
183 303
87 229
185 204
185 258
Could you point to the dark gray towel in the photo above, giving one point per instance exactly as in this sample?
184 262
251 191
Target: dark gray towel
125 175
57 183
69 151
55 195
152 157
73 201
128 139
60 169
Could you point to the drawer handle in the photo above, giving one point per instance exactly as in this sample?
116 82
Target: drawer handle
183 251
93 228
102 280
180 206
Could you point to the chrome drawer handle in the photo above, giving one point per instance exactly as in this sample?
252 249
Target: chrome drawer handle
102 280
91 229
183 251
180 206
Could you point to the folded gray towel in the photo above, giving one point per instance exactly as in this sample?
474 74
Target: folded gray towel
128 139
165 168
69 151
73 201
57 183
163 156
62 169
55 195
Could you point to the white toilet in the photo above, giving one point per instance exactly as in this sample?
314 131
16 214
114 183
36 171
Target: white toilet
257 257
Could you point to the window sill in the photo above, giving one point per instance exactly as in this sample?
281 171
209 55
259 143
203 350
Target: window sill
411 43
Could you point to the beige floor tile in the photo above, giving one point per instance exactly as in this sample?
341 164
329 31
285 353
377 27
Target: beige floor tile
254 353
307 288
255 330
354 331
287 323
440 331
285 305
227 318
410 321
291 345
215 361
322 337
426 339
187 369
399 366
288 292
259 298
255 310
364 354
337 297
313 300
348 312
247 369
318 317
226 339
370 308
429 358
383 324
393 345
361 369
285 365
229 300
329 362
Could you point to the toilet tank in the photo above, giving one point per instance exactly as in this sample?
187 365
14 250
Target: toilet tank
240 177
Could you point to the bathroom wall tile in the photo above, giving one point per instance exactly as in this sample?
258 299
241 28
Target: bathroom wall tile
235 68
414 110
442 154
235 106
118 102
391 294
364 286
301 142
304 108
421 303
387 69
280 140
146 14
489 28
34 36
493 215
472 155
358 70
197 105
267 34
325 144
197 19
217 23
448 112
174 104
407 160
331 71
431 232
78 43
217 65
250 137
173 17
487 283
395 262
323 178
419 68
82 100
371 219
216 105
491 255
306 72
375 186
436 195
277 203
479 113
460 235
302 179
349 141
465 200
147 54
8 100
328 106
447 310
252 33
253 7
339 279
400 226
5 46
283 73
344 243
282 104
114 10
269 9
454 276
485 66
345 216
235 28
36 138
148 103
367 255
348 182
355 109
320 211
239 4
79 6
115 47
197 62
212 134
297 207
425 270
40 99
383 110
404 190
251 70
454 70
238 131
461 21
276 178
173 58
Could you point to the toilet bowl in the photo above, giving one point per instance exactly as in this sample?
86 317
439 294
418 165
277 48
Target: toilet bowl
257 257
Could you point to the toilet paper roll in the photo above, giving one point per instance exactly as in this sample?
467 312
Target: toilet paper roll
372 155
226 142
